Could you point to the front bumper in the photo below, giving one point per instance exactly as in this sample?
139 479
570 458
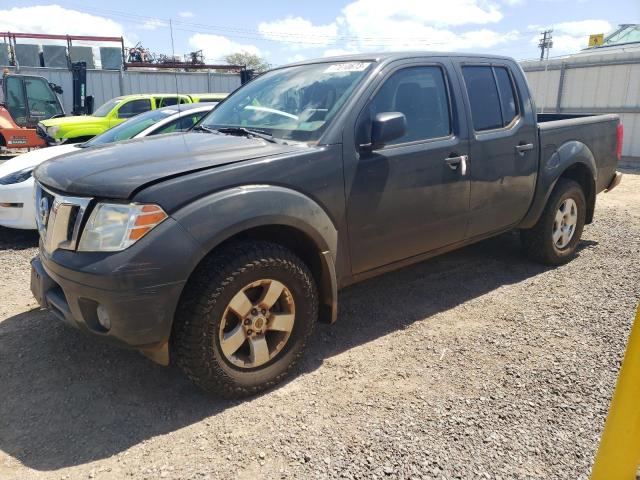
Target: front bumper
17 208
139 288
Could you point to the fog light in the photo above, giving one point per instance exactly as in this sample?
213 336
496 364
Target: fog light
103 317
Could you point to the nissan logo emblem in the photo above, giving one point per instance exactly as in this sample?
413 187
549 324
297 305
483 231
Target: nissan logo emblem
43 210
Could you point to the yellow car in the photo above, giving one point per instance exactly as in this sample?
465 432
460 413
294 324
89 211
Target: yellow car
81 128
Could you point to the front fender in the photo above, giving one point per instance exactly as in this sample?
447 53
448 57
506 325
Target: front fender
217 217
559 160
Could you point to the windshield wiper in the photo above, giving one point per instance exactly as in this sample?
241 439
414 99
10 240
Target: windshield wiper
248 132
202 128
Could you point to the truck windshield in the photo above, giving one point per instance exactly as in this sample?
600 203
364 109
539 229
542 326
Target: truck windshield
105 108
293 103
131 128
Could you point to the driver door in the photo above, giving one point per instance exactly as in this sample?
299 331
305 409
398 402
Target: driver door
410 197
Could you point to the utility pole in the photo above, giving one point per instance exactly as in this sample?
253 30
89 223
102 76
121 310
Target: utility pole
545 44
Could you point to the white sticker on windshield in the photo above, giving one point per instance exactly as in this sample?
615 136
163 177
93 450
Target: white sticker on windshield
347 67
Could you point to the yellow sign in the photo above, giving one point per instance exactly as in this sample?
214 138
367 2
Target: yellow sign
596 40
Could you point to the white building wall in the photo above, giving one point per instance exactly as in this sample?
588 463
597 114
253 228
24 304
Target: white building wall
591 82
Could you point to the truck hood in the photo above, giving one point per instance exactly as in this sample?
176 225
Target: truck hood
73 120
117 170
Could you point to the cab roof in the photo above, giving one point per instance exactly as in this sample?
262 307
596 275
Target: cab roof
393 56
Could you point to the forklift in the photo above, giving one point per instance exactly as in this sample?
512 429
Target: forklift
24 101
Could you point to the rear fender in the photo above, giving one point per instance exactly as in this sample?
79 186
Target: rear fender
571 156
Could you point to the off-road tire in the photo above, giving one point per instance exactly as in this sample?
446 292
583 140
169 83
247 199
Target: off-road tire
194 341
538 241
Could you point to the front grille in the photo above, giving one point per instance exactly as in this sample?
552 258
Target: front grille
59 218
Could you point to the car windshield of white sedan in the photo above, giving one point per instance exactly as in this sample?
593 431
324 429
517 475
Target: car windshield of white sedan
105 108
293 103
130 128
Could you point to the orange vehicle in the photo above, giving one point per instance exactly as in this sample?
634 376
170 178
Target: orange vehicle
24 101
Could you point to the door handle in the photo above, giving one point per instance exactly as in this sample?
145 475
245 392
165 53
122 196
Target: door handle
524 147
455 162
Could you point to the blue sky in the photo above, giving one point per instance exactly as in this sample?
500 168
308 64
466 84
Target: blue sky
285 31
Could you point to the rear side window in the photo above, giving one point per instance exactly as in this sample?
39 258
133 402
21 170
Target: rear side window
182 124
507 95
134 107
491 95
166 101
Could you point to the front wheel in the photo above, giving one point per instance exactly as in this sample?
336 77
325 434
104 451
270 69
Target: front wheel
244 319
554 238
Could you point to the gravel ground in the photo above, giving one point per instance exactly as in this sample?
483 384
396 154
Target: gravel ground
476 364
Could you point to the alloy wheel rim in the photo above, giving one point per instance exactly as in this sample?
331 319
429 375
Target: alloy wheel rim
564 223
257 323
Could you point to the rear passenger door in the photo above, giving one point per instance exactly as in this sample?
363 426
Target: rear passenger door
411 196
503 151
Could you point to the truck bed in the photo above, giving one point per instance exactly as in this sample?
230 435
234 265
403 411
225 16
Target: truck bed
564 132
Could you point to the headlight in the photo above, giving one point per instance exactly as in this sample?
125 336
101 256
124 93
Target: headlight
16 177
113 226
51 131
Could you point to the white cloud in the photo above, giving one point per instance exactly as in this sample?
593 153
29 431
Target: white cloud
368 25
513 3
570 37
336 52
290 29
54 19
367 15
186 14
215 47
153 24
296 58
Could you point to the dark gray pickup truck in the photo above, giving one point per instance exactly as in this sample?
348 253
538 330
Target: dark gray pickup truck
219 248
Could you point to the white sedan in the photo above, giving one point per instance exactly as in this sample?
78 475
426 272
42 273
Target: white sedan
17 209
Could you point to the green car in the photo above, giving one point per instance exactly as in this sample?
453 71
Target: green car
81 128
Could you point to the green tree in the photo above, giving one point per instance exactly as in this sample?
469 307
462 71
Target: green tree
252 61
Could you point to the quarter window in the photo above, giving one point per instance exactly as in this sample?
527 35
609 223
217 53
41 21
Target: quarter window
491 95
420 94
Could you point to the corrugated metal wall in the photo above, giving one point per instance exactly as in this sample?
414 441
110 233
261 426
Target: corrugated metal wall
107 84
593 83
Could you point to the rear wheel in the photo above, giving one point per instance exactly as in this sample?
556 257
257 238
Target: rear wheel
245 318
554 238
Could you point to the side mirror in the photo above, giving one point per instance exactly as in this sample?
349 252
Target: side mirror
56 88
387 127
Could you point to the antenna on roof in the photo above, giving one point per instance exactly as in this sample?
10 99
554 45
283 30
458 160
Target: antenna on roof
175 72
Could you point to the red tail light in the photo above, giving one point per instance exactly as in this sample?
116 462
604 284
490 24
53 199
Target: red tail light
619 137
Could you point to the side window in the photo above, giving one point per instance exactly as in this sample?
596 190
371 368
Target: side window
483 96
40 99
166 101
420 94
15 100
134 107
507 95
492 97
180 125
